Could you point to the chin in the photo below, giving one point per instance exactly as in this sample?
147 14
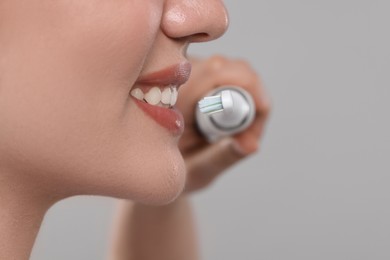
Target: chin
165 188
157 183
141 162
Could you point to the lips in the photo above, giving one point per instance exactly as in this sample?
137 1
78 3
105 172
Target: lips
172 77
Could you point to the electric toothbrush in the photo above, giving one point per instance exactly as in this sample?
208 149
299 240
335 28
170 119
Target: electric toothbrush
224 111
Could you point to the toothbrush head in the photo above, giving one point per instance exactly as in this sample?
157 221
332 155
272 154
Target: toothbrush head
210 105
218 103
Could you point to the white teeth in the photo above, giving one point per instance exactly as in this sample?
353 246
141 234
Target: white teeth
137 93
153 97
165 98
174 96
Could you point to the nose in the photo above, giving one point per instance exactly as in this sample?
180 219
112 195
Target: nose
194 20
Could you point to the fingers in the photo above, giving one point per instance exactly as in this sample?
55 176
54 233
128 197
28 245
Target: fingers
220 71
208 162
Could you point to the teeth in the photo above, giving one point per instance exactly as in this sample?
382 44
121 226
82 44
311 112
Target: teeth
165 97
173 96
153 97
137 93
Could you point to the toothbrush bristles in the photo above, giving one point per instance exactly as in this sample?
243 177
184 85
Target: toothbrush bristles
209 105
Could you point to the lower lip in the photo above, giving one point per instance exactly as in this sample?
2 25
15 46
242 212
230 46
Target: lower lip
169 118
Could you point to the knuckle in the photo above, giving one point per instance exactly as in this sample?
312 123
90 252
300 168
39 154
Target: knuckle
252 148
250 82
216 62
245 65
253 80
255 149
266 108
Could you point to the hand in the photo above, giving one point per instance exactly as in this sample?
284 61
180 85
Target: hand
206 161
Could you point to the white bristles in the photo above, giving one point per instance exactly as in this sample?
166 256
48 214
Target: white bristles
212 104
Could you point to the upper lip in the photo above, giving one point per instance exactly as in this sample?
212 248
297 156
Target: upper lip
175 75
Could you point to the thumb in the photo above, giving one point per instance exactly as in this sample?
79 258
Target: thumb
215 158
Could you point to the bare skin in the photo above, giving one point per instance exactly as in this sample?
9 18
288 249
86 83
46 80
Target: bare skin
169 232
69 125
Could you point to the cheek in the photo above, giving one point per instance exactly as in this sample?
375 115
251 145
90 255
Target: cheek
64 95
109 39
87 39
70 64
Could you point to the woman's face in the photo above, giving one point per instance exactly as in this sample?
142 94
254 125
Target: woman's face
68 72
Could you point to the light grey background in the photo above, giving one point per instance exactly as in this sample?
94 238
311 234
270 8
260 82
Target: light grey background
319 188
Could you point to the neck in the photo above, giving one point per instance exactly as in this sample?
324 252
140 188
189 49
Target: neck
21 215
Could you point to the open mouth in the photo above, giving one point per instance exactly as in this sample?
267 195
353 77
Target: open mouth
157 96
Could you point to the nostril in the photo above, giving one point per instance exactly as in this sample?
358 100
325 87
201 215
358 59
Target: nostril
200 37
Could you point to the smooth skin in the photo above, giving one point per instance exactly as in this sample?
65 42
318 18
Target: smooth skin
169 232
69 126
